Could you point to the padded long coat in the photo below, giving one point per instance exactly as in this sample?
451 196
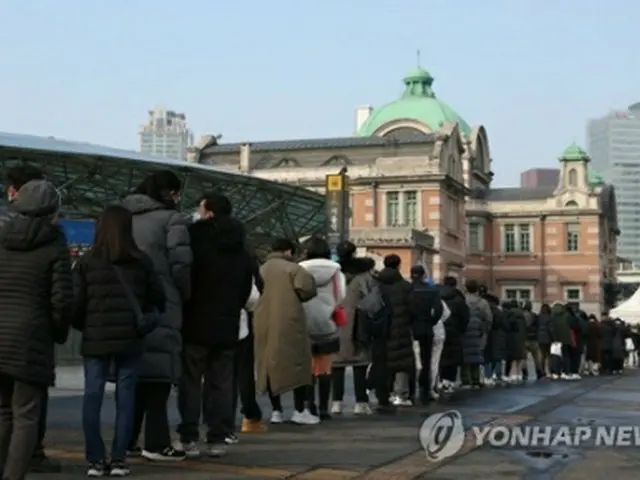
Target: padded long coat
162 233
281 337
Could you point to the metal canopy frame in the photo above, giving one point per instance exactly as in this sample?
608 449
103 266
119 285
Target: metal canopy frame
89 182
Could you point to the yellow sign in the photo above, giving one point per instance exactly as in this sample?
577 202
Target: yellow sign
334 183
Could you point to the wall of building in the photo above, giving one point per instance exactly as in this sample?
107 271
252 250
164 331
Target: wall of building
547 271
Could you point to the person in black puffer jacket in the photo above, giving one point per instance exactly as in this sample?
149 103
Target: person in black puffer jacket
544 338
104 280
36 300
496 349
425 306
400 354
455 326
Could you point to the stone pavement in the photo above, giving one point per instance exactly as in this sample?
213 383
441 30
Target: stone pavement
388 448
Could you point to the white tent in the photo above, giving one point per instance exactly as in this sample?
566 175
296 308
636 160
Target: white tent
629 310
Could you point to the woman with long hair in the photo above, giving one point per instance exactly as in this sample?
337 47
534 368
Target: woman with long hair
162 233
106 280
323 330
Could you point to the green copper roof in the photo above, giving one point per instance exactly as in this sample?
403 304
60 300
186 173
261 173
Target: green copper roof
595 179
573 153
418 103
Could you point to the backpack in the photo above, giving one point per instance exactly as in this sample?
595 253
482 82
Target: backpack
373 314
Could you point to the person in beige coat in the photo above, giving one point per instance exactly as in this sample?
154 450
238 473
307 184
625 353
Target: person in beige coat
282 344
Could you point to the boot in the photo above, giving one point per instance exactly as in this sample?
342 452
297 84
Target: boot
324 391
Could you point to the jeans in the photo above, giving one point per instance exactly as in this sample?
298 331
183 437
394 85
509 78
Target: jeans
216 365
151 409
493 368
359 383
96 372
20 405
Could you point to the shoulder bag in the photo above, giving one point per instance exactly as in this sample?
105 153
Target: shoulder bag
145 322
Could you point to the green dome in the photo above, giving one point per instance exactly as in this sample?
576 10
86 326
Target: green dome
595 179
418 103
574 153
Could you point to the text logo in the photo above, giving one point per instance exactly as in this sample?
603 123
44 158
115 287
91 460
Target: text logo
442 435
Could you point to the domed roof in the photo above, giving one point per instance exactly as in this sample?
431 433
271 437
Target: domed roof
418 103
595 179
574 153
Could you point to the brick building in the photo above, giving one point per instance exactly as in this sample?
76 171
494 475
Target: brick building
420 186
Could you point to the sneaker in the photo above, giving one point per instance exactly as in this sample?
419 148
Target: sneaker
216 450
43 464
304 418
362 409
97 469
134 452
277 417
252 426
231 439
433 395
399 402
554 376
190 449
169 454
119 469
336 408
564 376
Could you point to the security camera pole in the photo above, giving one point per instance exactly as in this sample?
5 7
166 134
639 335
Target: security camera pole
337 202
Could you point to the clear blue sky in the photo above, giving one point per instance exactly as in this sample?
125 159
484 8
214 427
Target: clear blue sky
531 71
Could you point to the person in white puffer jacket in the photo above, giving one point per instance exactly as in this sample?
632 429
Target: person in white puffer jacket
323 331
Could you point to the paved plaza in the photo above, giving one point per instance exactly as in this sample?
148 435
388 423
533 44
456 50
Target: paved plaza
388 447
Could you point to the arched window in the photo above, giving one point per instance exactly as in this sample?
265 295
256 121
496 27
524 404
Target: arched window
573 178
571 204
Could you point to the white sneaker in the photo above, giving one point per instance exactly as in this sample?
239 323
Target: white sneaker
277 417
488 382
433 395
564 376
190 449
554 376
304 418
336 408
362 409
575 376
400 402
216 451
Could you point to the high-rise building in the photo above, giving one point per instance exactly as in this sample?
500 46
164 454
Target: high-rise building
614 146
539 177
166 134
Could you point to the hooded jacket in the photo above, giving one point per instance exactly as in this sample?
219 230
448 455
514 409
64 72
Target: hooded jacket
36 293
331 286
221 282
400 353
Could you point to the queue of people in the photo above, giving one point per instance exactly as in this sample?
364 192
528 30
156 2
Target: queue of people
163 301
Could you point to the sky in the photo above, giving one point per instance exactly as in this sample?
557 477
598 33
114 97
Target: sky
531 71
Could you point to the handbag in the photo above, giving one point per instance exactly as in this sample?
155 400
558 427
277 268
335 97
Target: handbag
556 349
629 344
145 322
339 315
